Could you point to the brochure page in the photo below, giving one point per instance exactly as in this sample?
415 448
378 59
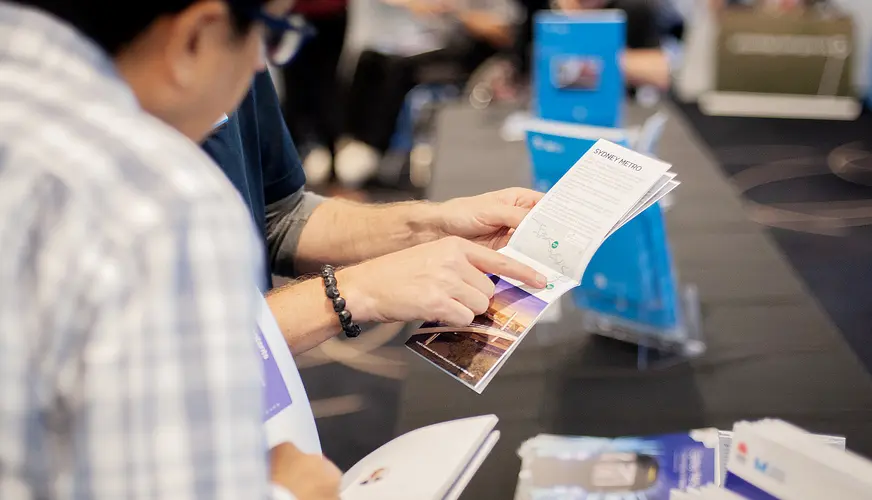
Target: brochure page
287 414
473 353
568 225
558 238
429 463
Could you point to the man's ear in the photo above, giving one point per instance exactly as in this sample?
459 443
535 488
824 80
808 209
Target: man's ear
194 34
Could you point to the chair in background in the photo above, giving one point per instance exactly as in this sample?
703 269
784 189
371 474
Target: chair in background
411 150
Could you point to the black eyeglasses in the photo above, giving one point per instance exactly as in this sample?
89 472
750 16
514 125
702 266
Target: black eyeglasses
285 35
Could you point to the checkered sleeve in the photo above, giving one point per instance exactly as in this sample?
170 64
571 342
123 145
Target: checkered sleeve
171 393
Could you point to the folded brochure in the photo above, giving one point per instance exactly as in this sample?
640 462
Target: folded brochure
431 463
434 462
287 415
606 188
588 468
774 460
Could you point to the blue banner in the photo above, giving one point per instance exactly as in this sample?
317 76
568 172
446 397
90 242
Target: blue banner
577 75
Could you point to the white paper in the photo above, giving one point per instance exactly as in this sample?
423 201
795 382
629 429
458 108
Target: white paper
294 423
430 463
788 462
571 221
659 195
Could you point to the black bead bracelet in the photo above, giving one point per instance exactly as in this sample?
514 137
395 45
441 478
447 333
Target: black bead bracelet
328 275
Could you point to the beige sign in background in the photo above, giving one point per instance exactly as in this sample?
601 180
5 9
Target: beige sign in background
805 54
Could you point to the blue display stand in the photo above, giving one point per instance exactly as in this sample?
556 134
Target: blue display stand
577 75
630 276
629 290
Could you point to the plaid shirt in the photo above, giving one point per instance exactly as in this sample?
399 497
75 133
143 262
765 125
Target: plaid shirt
127 275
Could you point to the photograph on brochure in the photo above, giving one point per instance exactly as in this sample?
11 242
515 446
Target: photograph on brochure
471 352
608 186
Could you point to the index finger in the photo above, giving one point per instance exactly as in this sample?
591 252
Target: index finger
492 262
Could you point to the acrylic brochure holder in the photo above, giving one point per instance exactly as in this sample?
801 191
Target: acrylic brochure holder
629 290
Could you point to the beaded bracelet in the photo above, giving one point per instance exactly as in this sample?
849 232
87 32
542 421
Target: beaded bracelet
328 275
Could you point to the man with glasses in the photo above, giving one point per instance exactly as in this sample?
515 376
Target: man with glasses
127 263
407 261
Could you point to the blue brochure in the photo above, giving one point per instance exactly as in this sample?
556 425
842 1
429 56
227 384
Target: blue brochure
586 468
555 147
577 73
631 276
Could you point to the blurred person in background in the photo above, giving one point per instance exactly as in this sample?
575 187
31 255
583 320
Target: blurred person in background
129 266
769 4
466 34
312 91
405 261
645 62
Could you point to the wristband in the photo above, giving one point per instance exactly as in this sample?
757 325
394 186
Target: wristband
328 275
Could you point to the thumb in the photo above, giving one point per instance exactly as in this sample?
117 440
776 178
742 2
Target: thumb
505 216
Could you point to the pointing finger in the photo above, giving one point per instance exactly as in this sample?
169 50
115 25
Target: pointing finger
492 262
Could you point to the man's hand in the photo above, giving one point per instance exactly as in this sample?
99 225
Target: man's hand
308 477
488 219
444 280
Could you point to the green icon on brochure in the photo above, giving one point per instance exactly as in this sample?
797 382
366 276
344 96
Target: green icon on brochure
549 286
554 245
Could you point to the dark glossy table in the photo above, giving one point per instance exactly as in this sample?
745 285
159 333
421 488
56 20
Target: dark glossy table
771 350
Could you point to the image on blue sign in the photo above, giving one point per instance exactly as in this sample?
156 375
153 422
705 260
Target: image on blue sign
577 72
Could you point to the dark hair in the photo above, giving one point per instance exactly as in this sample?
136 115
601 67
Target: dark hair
114 24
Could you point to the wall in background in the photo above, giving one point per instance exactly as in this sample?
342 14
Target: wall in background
862 12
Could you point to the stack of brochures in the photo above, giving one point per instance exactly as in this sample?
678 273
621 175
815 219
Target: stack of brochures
650 467
587 468
431 463
772 459
606 188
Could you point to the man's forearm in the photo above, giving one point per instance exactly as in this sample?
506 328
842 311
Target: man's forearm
647 67
341 232
305 315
